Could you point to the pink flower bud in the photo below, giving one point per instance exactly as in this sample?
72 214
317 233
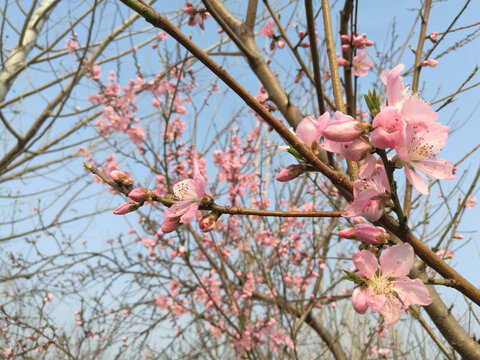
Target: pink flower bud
120 178
345 39
209 222
345 130
359 300
140 195
348 233
280 44
301 33
345 47
125 208
170 224
341 62
430 62
372 235
433 37
291 172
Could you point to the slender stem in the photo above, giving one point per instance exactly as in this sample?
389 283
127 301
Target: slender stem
314 52
407 202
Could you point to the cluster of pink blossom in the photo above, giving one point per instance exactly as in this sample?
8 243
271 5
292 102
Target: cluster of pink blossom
196 16
360 62
72 44
269 31
408 126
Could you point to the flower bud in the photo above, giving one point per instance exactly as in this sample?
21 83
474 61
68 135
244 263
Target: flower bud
360 299
341 62
290 172
125 208
140 195
372 235
345 130
209 222
348 233
280 44
170 224
120 178
430 62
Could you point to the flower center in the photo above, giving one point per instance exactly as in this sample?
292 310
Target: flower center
381 285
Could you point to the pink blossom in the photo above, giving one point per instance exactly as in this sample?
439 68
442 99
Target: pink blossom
196 16
71 44
375 350
369 196
161 35
388 288
188 194
359 41
310 129
136 134
388 128
360 64
470 202
433 37
93 72
413 110
418 151
267 29
430 62
357 149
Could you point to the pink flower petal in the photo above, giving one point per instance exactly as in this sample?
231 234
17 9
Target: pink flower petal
412 291
366 263
397 260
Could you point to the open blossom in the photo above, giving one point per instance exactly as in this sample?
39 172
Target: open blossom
196 16
421 147
470 202
309 130
188 194
267 29
369 196
361 64
387 289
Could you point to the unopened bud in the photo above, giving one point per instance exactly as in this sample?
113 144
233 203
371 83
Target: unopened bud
127 207
290 172
140 195
120 178
209 222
